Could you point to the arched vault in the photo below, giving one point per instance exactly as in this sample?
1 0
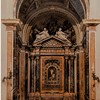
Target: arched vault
29 10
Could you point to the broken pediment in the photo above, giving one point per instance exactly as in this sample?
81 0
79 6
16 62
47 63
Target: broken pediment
52 41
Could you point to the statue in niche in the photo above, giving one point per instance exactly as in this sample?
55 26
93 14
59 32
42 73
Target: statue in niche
61 34
42 35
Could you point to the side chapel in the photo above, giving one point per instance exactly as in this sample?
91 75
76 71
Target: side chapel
53 51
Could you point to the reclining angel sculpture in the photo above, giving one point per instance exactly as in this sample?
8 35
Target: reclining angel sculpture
61 34
42 35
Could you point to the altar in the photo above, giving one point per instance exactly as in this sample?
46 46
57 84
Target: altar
52 73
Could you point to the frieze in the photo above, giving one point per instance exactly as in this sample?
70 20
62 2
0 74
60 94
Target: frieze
52 51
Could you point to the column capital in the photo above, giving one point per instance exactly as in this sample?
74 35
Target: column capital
10 23
91 22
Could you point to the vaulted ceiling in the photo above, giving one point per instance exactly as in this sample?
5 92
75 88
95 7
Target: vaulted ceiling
51 14
25 7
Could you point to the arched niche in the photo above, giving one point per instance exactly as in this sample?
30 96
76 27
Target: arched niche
28 10
58 14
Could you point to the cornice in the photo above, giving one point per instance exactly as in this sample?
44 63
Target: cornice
89 22
92 22
10 22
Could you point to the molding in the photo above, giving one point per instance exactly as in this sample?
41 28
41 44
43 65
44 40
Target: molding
89 22
10 22
92 22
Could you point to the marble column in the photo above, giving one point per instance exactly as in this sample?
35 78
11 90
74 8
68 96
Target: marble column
72 77
75 72
29 65
32 74
69 64
66 74
10 27
37 74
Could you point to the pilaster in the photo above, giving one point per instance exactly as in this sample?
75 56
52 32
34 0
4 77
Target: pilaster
90 25
81 73
10 28
92 30
22 75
